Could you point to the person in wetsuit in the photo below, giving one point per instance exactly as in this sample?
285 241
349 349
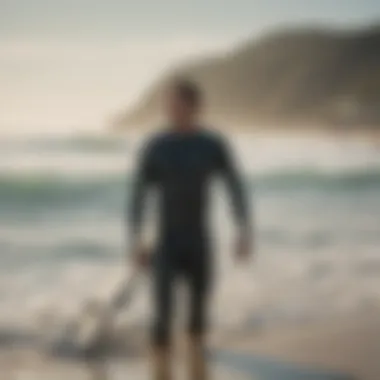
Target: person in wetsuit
179 163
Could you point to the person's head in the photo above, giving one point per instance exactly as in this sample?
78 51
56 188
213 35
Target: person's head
183 103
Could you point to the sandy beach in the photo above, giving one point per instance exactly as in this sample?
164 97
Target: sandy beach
348 345
348 348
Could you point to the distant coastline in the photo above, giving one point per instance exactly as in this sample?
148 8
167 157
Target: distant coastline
305 79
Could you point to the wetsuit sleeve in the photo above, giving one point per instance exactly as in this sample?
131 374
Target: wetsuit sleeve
142 183
233 179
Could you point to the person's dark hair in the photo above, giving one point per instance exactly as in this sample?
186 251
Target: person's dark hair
188 90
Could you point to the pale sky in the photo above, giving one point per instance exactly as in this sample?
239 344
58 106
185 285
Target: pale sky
74 63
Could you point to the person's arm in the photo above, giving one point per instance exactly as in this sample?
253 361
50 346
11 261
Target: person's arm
142 182
240 205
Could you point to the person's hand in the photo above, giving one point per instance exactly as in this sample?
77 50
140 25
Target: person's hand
142 257
243 247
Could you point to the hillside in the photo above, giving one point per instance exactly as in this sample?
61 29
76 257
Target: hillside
301 76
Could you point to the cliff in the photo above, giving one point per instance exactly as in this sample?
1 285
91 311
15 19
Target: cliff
298 77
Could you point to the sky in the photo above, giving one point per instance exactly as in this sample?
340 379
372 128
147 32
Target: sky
73 64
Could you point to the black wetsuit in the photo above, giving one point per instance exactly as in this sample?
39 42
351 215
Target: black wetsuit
180 166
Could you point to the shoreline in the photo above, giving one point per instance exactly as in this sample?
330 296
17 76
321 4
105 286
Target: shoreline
349 346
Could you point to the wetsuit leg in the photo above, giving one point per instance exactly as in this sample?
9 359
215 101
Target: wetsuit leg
199 281
163 282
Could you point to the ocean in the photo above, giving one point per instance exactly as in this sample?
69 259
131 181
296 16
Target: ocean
316 205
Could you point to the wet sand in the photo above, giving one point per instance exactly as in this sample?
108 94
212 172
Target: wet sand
29 364
348 346
346 349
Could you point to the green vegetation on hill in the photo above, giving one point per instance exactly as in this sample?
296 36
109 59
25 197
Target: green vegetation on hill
300 76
